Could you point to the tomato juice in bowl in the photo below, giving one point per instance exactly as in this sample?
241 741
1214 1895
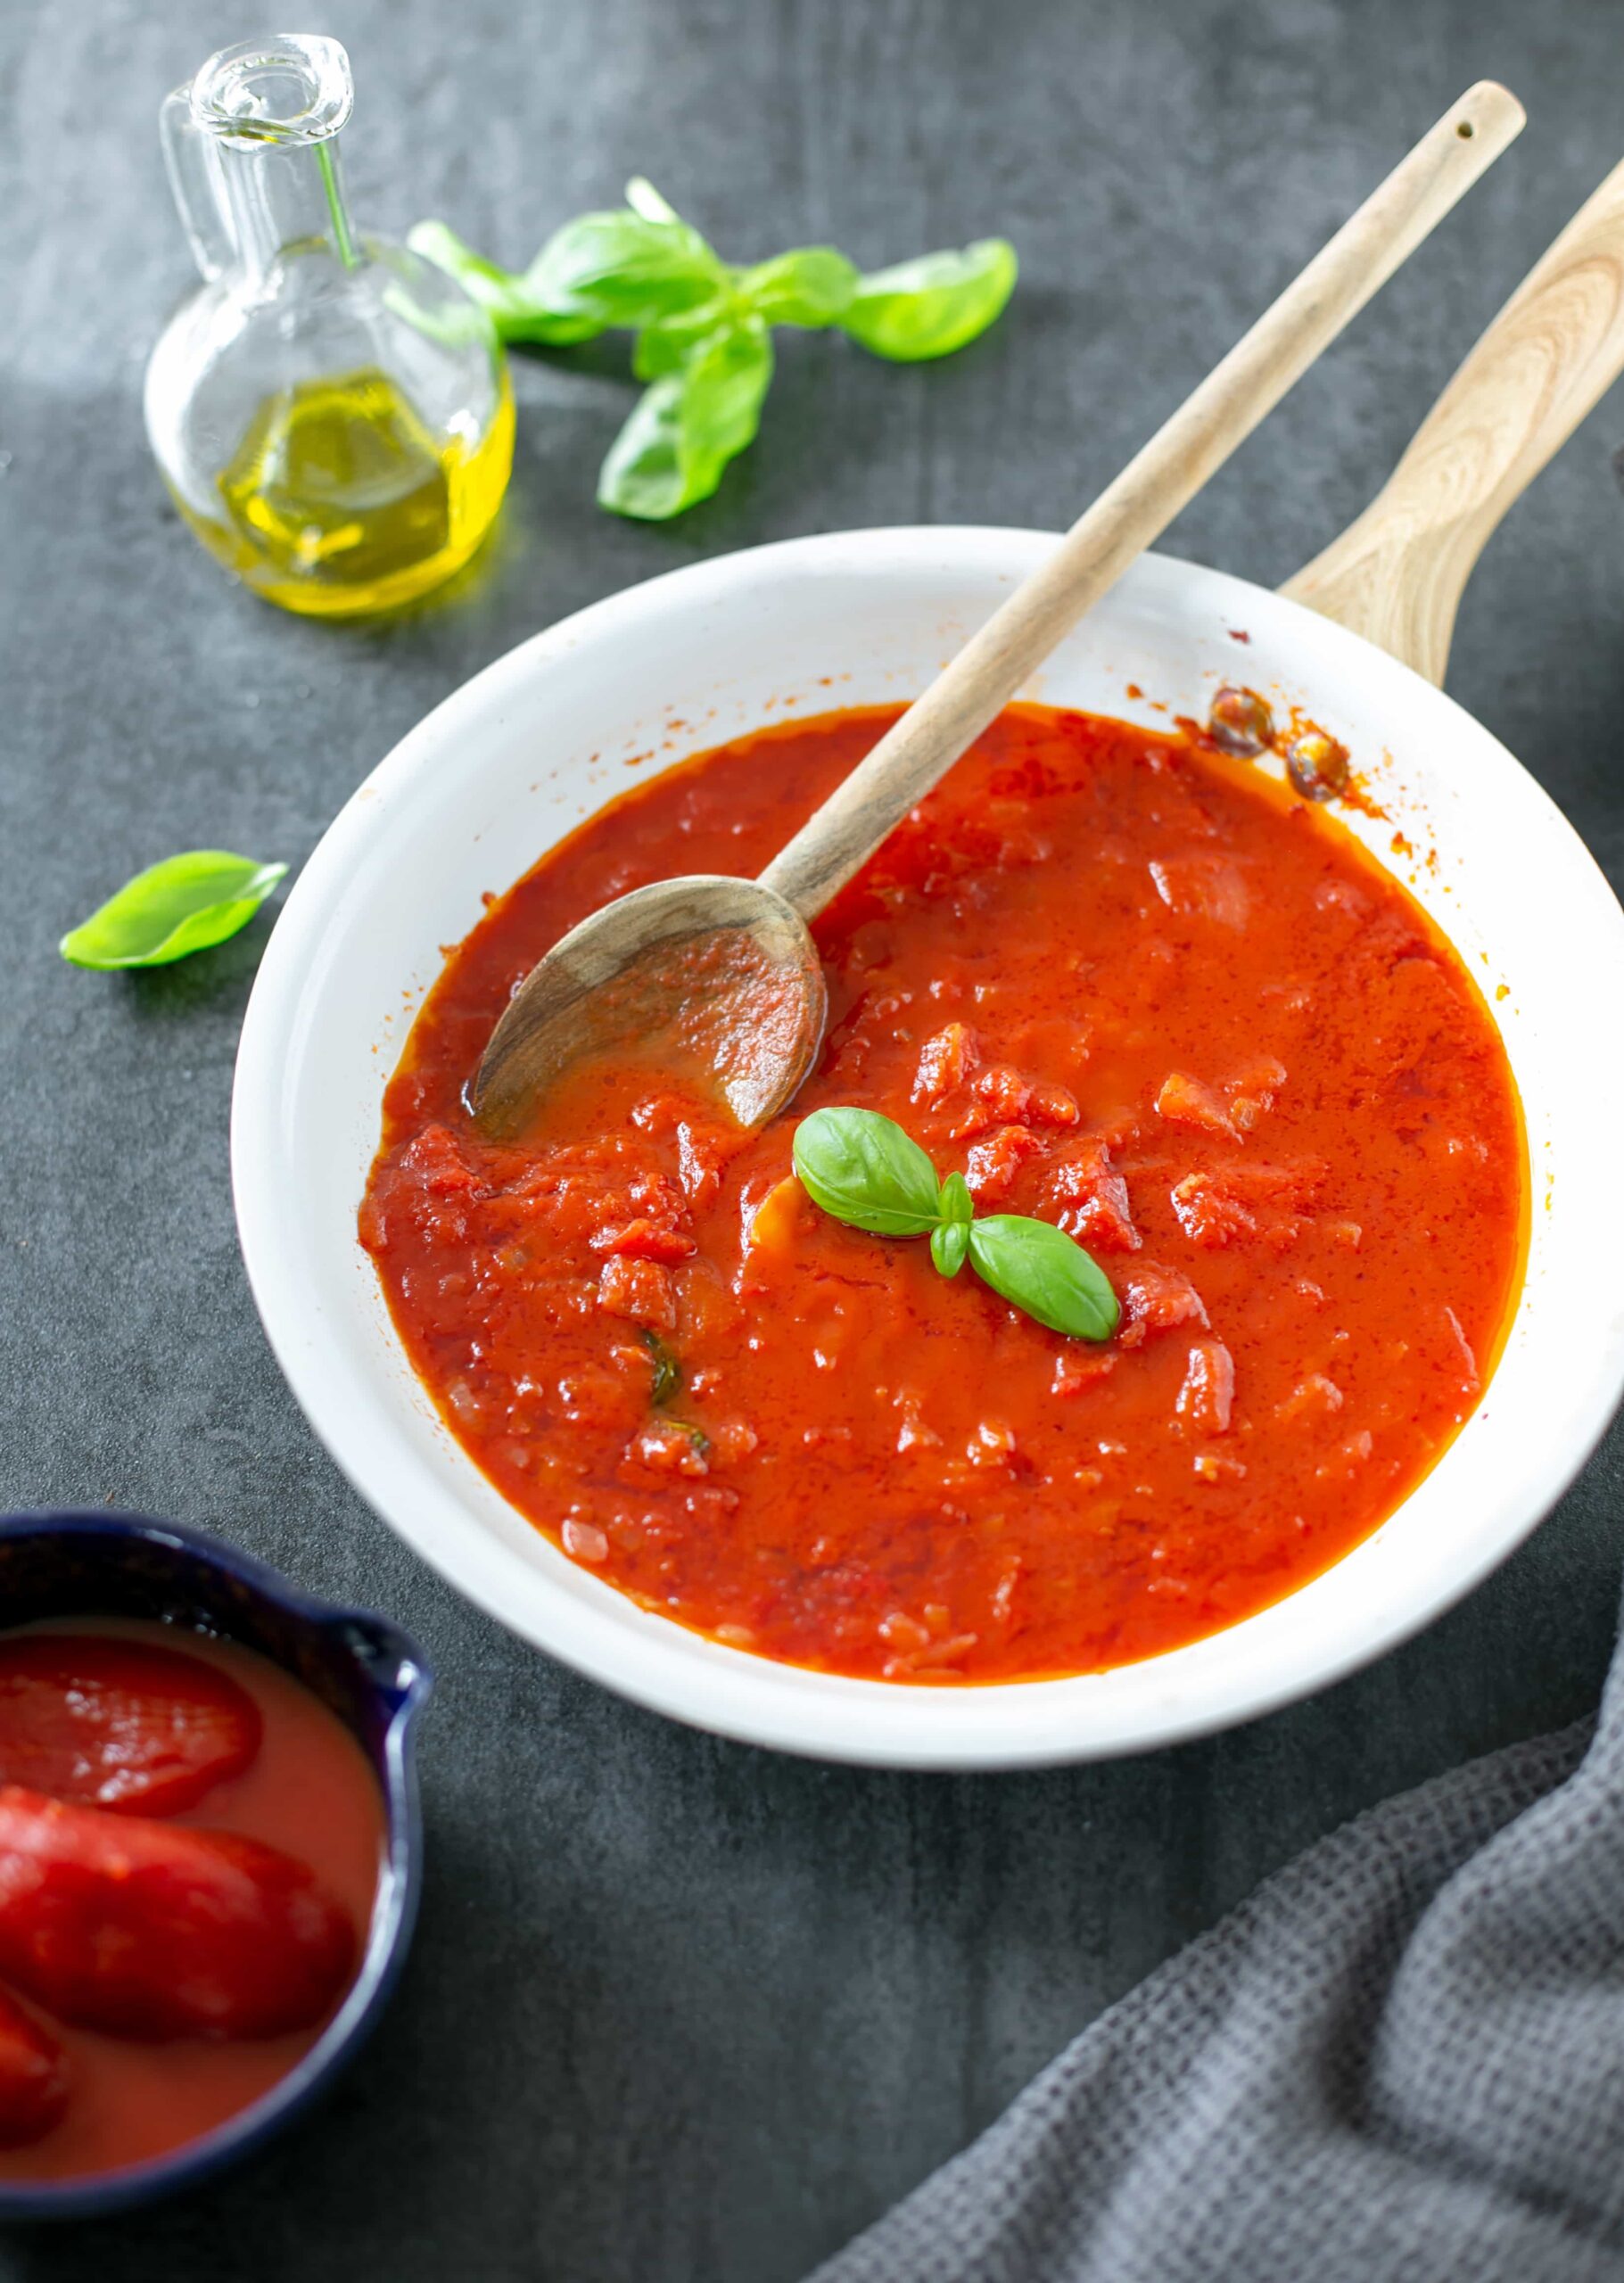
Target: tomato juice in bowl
517 760
209 1853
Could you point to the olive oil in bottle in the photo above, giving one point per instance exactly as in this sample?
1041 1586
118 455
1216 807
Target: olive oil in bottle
338 499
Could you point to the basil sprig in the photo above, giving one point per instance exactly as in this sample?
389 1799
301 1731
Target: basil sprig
862 1168
187 903
704 327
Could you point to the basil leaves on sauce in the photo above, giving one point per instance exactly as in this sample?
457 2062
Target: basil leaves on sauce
863 1169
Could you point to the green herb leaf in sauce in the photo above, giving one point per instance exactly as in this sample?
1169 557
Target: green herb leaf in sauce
1045 1273
703 326
667 1371
950 1240
863 1169
186 903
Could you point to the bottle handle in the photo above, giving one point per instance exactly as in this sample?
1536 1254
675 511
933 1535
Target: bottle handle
192 161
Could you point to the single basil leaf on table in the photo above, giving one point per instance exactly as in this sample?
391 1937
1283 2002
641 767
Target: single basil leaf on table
1045 1273
811 285
186 903
933 305
864 1170
689 425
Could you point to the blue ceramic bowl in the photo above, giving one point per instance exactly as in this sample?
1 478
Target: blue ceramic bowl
365 1670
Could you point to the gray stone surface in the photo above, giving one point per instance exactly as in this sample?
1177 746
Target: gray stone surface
679 2009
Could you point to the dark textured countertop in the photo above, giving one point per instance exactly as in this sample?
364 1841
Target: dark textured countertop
681 2010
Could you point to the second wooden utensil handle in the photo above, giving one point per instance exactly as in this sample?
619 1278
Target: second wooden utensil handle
1397 575
1144 498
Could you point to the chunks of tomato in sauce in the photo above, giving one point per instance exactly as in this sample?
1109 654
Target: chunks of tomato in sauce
128 1726
1122 982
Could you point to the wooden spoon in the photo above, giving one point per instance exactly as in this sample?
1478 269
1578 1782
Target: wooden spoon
721 975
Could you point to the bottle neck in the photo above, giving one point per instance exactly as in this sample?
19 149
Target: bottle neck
252 148
285 197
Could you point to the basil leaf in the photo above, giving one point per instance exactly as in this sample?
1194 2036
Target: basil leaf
949 1244
813 285
688 426
1045 1273
957 1203
645 472
187 903
931 306
504 296
667 1371
666 344
621 269
864 1170
628 266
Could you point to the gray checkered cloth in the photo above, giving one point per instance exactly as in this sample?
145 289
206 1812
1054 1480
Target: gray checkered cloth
1402 2061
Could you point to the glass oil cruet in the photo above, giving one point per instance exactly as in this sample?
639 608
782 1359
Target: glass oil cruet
331 412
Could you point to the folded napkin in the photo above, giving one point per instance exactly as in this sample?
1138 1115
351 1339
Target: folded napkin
1403 2058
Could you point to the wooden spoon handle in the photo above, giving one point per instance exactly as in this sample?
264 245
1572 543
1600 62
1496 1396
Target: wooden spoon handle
1144 498
1396 574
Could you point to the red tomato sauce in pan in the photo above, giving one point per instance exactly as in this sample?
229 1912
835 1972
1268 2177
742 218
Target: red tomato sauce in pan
1123 981
280 1771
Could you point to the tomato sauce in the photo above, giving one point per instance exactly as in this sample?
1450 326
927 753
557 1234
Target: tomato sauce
1123 981
307 1791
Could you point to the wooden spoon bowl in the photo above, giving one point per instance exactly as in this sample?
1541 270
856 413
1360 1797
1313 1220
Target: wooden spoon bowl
718 979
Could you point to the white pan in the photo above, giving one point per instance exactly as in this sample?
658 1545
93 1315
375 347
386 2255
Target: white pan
512 762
